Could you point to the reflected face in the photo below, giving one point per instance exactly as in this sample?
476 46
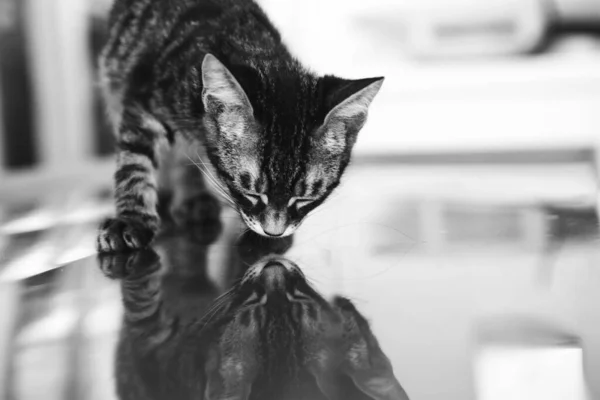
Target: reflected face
272 325
276 335
272 336
275 292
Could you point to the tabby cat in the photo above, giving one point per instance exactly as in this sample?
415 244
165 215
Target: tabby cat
213 79
269 337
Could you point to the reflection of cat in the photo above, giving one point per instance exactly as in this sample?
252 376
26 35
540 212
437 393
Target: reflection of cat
270 336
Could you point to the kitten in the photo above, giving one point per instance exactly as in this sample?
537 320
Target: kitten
214 79
271 336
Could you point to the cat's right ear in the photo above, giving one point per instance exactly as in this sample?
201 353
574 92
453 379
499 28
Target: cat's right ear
365 363
226 379
223 97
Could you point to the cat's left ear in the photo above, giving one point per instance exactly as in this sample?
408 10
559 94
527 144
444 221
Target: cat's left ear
364 362
224 99
349 101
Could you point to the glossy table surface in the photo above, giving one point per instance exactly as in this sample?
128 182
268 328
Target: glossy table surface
442 280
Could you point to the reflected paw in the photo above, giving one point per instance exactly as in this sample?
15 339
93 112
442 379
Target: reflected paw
123 265
198 209
122 234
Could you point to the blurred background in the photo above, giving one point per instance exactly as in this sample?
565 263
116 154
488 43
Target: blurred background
467 226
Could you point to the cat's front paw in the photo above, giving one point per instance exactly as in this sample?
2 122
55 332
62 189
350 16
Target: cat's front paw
122 234
198 209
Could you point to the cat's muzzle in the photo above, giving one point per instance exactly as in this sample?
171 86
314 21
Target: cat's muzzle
271 269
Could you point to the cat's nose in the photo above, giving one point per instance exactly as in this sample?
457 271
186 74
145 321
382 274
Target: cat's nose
274 223
274 232
274 229
274 275
274 267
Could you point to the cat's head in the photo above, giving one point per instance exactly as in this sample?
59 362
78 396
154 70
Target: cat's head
279 144
276 337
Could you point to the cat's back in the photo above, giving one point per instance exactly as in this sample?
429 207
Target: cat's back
167 29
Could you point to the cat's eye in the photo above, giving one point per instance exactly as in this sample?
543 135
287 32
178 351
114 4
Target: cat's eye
297 296
300 201
255 198
255 299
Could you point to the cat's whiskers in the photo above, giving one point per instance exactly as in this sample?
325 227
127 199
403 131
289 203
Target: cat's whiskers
219 189
244 231
205 171
217 306
206 168
216 185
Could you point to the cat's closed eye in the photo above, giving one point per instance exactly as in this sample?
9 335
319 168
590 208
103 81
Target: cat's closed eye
255 198
297 295
299 202
255 299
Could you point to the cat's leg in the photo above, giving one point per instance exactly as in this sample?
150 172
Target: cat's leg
193 202
137 219
141 274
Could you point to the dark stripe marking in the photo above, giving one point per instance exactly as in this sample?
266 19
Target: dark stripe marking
127 171
138 147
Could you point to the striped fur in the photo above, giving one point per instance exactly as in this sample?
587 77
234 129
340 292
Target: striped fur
270 337
272 137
